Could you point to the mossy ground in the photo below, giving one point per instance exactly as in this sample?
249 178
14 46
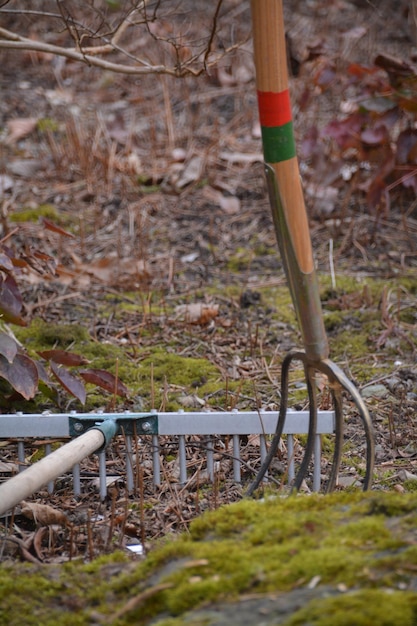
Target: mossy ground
361 546
147 377
160 366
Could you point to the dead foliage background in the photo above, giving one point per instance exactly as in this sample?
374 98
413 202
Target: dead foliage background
152 189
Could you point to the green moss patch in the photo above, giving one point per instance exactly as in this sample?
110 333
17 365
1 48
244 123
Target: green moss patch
358 548
26 214
42 336
385 607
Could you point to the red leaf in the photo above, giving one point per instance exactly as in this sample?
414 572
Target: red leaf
378 196
73 385
8 347
106 380
55 228
63 357
355 69
5 262
42 373
22 374
325 76
346 132
398 70
406 144
375 136
309 142
378 104
410 182
10 301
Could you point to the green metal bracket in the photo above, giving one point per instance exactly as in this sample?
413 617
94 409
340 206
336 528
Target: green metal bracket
131 424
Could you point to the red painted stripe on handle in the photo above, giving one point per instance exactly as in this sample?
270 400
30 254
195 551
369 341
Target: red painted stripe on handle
274 108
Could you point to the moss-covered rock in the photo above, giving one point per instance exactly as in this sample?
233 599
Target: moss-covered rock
338 560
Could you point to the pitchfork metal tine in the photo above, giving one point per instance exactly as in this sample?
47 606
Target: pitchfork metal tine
338 381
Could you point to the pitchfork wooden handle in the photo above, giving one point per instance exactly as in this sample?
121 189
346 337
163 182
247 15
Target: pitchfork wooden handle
285 189
276 120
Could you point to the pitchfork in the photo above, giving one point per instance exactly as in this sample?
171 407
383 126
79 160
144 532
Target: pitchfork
293 236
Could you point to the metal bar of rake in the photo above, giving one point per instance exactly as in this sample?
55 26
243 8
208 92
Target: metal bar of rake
293 237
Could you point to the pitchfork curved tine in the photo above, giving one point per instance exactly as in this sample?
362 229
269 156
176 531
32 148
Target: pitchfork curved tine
293 236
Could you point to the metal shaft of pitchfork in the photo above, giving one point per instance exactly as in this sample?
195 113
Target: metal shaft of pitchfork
293 236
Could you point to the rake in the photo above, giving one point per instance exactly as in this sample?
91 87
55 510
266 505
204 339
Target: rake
93 432
147 432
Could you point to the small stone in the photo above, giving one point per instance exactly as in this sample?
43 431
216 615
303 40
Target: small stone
405 475
348 481
26 168
314 582
376 391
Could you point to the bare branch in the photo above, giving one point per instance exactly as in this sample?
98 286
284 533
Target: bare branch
187 57
18 42
213 32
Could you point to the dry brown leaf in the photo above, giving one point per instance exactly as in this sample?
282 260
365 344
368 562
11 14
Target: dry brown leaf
19 128
43 514
197 312
110 270
230 204
38 538
8 468
68 277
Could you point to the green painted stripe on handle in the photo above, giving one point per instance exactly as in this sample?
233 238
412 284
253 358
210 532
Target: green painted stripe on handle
278 143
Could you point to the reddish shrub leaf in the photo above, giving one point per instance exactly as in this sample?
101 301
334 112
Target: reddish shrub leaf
346 132
406 145
10 301
105 380
375 136
410 182
63 357
309 142
325 76
398 70
22 375
5 262
378 196
8 347
55 228
379 104
73 385
355 69
42 373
